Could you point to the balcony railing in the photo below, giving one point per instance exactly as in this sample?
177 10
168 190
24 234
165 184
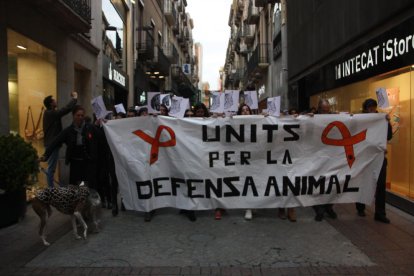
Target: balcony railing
262 3
169 12
72 16
252 14
171 52
248 33
145 46
161 63
259 59
180 5
81 7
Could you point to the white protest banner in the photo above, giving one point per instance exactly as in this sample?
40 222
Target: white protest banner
178 106
231 100
119 108
153 102
247 162
99 108
273 106
217 105
250 98
382 97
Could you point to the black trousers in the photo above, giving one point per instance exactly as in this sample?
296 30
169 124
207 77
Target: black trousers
83 170
321 209
379 192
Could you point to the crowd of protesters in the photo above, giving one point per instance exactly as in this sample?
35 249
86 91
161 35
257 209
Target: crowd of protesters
90 159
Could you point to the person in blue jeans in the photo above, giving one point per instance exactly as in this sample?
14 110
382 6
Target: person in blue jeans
52 126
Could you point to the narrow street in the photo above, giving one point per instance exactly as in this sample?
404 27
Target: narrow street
172 245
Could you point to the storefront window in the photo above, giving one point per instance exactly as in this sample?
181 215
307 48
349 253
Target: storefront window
32 77
400 153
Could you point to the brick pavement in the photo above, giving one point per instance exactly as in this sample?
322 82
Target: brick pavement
390 247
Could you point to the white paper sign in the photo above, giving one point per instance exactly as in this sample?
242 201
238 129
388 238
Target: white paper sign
217 106
250 98
208 163
273 106
165 99
382 97
119 108
99 108
231 100
178 106
153 102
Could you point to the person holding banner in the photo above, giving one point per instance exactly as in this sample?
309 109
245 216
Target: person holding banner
132 112
83 142
324 107
370 106
244 109
188 113
163 110
200 110
143 111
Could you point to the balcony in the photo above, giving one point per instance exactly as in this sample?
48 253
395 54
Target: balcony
252 14
239 6
248 32
171 52
160 63
180 5
259 61
262 3
169 12
237 75
176 28
145 46
73 16
243 49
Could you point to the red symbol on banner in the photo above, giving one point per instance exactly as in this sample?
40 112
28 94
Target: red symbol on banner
155 142
347 140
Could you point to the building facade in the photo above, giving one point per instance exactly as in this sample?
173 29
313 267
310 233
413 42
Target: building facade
346 51
47 48
249 51
165 60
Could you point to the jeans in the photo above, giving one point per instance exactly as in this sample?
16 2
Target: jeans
51 167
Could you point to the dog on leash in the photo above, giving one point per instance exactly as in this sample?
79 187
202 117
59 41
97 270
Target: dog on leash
76 201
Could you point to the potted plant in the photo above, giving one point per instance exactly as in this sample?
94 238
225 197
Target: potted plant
18 161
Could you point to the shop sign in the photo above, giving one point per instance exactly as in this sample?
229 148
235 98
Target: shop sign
115 75
391 50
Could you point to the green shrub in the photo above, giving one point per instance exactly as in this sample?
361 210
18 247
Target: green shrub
18 161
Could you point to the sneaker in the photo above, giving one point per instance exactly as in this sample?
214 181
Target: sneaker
291 214
331 213
382 218
361 213
248 215
217 214
282 214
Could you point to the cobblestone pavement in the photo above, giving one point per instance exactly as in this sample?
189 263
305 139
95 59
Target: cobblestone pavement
172 245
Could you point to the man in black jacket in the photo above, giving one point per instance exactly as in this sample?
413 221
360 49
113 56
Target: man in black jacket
370 106
83 141
52 126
